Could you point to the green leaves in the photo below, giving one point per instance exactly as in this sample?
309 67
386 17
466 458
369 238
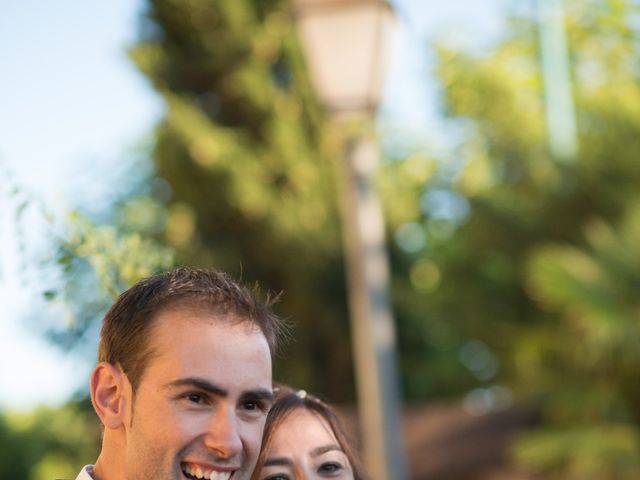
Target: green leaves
608 451
595 288
546 268
118 259
48 442
96 263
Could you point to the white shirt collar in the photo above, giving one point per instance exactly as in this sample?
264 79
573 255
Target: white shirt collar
85 473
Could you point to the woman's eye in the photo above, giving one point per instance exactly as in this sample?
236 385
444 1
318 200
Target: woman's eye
277 476
329 467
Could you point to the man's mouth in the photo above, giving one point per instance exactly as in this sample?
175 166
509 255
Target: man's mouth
198 472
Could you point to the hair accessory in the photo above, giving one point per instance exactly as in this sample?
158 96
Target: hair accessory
301 394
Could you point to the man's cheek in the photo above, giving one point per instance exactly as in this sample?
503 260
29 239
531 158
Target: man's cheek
172 426
253 438
188 426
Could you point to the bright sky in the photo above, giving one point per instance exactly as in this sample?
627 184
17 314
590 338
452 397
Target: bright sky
70 105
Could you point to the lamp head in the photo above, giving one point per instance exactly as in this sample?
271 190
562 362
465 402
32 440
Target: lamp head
346 43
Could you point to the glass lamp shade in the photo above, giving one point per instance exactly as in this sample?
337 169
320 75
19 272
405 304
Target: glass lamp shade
346 44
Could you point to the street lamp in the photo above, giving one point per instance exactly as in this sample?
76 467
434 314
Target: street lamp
345 44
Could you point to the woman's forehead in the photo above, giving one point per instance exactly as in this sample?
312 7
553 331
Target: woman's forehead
303 430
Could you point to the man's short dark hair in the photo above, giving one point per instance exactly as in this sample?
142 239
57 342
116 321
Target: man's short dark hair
126 328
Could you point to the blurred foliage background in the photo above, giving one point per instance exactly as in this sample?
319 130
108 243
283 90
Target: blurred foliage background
515 277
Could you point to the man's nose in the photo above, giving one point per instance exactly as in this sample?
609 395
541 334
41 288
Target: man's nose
223 435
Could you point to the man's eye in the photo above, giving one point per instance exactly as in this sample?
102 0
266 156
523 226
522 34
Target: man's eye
277 476
253 405
195 398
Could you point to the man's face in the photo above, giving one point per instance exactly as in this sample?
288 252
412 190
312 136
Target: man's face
201 404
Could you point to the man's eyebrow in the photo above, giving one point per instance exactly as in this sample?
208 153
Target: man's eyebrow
199 383
259 394
324 449
278 462
207 386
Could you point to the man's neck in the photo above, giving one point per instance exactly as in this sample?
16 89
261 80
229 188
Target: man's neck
108 466
99 470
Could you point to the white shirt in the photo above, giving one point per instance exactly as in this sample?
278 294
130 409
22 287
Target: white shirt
85 473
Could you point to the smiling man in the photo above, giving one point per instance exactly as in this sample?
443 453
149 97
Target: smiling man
183 383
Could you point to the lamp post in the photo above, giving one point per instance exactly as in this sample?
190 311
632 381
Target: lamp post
345 43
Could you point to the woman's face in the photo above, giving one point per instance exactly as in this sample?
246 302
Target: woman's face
303 447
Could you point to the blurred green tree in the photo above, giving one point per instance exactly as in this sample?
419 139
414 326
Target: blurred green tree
532 263
50 442
87 257
244 150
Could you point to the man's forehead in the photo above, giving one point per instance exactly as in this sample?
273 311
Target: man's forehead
182 315
189 334
234 359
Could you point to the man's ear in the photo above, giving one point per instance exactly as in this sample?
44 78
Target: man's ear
110 394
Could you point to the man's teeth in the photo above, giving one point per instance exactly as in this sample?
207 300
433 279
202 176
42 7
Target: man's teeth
207 475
